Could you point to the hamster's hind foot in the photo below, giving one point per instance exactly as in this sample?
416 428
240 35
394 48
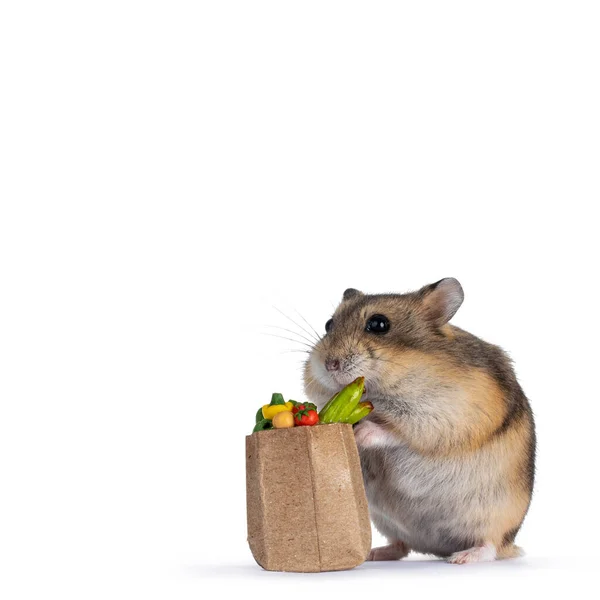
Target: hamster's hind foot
394 551
485 553
510 551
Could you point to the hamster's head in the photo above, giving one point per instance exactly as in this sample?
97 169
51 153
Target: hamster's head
380 337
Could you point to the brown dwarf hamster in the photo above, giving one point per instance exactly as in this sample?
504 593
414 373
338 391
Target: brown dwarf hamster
448 453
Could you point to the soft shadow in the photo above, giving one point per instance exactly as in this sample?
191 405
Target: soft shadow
414 566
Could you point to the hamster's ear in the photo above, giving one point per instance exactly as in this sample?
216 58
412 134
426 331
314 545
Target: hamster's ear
441 300
351 293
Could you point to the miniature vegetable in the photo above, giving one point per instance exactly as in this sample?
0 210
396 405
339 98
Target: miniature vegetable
302 406
259 415
308 416
269 410
265 414
262 425
277 399
342 405
362 410
283 420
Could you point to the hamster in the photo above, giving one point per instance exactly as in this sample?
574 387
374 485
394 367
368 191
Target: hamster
448 453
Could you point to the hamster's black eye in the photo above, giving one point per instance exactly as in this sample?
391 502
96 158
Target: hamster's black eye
328 325
378 324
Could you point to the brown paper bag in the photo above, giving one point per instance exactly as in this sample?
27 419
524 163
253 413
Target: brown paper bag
306 503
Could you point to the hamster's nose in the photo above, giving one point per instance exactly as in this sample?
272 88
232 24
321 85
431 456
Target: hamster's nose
332 364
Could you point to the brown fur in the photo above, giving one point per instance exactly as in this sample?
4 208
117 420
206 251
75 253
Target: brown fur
452 461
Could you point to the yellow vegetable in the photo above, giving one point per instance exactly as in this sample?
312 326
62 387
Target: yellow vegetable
270 410
283 419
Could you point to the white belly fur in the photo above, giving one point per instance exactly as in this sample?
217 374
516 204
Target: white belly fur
438 505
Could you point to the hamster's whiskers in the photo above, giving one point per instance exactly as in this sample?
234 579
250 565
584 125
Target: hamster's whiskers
298 324
311 346
310 340
318 338
312 381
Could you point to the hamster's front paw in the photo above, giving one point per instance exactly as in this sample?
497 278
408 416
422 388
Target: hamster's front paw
368 434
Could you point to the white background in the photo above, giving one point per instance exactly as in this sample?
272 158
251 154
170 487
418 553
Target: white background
172 170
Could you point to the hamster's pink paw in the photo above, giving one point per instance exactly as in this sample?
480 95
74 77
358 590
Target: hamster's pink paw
368 434
485 553
394 551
